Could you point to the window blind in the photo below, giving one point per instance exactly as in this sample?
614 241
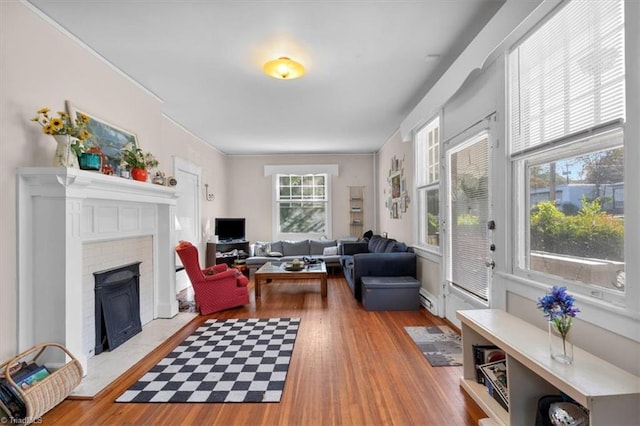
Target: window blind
469 199
568 75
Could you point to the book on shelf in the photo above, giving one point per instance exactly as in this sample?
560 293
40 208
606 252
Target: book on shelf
483 354
495 374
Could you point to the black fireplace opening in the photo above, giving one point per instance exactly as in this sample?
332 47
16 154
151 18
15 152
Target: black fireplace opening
117 306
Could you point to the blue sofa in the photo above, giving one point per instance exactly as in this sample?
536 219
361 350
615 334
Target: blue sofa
378 257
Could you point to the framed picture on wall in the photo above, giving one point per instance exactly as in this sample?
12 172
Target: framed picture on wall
395 185
110 138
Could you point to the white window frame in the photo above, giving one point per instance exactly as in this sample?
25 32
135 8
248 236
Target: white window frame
274 171
428 178
569 149
301 200
596 306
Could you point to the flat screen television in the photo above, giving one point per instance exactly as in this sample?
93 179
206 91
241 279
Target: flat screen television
230 229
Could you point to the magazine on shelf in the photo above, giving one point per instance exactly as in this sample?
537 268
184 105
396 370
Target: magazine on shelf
483 354
24 375
495 374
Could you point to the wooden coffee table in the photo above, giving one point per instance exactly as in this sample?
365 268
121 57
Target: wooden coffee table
276 271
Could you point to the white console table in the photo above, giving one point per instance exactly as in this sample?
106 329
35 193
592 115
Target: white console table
611 394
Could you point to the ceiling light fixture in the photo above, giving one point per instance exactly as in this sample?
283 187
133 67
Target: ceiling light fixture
283 68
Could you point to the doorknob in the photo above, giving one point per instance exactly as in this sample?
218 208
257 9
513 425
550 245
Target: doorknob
492 264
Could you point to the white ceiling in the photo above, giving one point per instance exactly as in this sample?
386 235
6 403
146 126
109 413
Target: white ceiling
368 63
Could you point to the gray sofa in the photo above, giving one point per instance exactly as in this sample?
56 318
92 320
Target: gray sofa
286 251
377 257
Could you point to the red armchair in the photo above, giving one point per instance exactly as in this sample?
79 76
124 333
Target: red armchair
217 287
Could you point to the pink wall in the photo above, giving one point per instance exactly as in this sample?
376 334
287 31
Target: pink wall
43 66
252 190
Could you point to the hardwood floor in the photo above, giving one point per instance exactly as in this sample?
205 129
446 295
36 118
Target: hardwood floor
349 367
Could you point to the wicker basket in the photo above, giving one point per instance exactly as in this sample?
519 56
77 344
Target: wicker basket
50 391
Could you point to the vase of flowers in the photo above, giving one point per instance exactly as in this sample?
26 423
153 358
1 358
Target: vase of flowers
137 161
559 308
68 134
65 155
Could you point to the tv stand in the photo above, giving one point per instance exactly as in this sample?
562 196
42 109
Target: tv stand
225 247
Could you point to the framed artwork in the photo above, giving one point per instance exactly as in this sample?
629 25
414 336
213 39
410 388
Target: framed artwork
395 185
110 138
398 199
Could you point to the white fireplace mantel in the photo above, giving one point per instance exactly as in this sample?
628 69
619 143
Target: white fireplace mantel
59 210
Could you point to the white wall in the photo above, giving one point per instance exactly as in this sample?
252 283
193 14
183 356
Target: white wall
250 191
600 329
42 66
398 228
179 142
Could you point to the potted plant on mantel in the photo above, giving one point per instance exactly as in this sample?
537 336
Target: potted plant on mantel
138 161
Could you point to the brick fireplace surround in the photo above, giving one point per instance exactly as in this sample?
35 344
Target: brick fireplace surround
61 214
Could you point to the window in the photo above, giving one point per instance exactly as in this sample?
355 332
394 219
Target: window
567 109
302 206
427 141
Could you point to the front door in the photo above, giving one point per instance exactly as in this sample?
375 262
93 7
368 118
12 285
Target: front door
467 254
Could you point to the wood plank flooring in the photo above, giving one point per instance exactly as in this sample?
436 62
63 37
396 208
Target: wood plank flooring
349 367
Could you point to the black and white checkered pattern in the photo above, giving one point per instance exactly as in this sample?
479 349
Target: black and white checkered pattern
237 360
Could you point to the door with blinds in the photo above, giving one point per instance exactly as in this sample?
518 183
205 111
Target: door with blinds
468 256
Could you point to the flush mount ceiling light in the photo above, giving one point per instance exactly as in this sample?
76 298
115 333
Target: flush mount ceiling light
283 68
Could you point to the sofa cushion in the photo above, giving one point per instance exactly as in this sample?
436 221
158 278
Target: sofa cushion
297 248
317 247
277 246
378 244
398 247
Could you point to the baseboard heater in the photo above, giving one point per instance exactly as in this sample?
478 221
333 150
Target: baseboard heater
428 301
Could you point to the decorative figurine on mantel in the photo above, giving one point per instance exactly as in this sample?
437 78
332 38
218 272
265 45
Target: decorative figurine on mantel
159 178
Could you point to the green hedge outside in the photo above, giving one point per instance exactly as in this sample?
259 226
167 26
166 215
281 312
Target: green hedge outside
591 233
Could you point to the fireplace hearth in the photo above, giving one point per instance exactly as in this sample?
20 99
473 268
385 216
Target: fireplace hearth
117 306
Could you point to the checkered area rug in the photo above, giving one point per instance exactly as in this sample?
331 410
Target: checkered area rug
238 360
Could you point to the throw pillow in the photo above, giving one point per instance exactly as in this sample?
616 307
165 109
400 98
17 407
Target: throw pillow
274 254
330 251
261 248
316 247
